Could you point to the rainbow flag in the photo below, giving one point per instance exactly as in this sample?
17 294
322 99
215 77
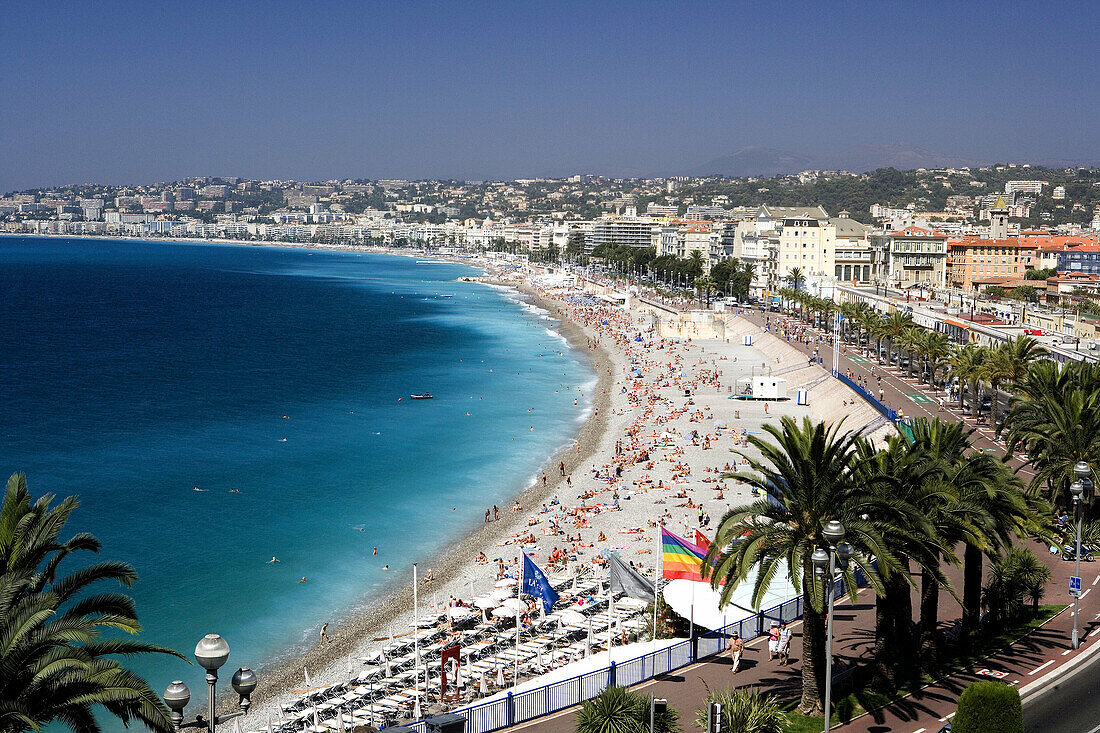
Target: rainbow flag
680 559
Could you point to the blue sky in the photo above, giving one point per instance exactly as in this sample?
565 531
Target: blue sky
120 92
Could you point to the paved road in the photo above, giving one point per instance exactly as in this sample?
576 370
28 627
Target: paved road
1071 706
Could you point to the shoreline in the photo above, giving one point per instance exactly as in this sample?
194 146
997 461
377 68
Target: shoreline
363 626
371 614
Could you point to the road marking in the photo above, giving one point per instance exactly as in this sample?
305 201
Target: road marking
918 399
1041 667
1086 592
1094 632
1095 729
920 730
1096 580
1067 651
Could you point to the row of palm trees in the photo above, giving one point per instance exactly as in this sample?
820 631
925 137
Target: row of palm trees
910 507
931 355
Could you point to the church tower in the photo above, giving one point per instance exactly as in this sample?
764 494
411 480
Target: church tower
998 219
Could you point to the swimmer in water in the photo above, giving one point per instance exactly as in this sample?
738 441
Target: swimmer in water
302 580
273 559
385 567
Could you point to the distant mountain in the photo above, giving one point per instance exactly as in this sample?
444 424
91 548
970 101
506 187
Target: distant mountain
755 161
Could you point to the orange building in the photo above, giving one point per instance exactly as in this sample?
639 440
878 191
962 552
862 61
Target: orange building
972 260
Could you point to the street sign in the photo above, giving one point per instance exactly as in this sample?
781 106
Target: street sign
1075 587
994 673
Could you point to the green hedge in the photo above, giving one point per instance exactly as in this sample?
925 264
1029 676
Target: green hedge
989 707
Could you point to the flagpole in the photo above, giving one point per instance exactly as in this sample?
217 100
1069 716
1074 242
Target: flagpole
611 614
691 621
656 577
416 621
519 591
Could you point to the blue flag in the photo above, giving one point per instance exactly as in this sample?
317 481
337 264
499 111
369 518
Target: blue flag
535 584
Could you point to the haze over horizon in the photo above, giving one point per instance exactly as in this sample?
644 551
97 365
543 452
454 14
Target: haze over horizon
133 93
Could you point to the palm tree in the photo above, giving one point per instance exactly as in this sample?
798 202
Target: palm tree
57 666
695 263
808 474
1009 364
905 477
796 278
618 710
1001 513
1057 430
745 711
894 328
967 366
935 348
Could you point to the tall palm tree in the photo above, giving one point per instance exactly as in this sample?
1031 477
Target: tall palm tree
796 277
57 666
1008 365
894 328
967 366
1057 430
935 348
905 478
808 475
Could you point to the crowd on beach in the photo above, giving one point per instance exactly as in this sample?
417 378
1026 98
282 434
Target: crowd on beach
661 460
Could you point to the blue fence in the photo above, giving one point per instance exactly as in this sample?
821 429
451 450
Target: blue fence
891 415
524 706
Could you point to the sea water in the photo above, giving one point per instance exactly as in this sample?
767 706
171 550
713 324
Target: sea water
215 406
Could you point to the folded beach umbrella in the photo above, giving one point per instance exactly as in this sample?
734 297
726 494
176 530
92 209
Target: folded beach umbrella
387 665
500 676
309 682
484 684
416 708
588 641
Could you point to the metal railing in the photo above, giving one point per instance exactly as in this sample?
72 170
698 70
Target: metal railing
523 706
887 412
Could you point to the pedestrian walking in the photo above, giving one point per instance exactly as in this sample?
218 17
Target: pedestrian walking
784 644
773 640
736 648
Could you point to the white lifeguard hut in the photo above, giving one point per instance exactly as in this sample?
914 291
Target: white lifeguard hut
762 387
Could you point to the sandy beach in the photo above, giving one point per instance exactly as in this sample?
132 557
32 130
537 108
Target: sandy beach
662 430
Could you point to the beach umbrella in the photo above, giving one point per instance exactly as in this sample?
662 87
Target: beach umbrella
388 672
237 726
316 720
485 603
569 617
459 611
269 725
505 582
484 685
538 656
501 593
502 612
416 708
416 658
309 682
351 667
514 604
500 676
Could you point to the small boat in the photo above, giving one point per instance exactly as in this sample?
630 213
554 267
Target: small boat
424 396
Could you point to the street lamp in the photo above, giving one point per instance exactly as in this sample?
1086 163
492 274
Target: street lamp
841 551
211 653
1080 489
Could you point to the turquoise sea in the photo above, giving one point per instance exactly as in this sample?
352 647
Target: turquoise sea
215 406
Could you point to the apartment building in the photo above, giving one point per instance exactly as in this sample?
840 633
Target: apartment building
973 261
914 256
629 231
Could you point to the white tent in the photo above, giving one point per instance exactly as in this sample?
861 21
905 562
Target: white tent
700 602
